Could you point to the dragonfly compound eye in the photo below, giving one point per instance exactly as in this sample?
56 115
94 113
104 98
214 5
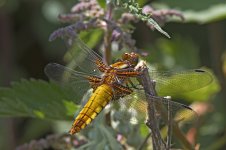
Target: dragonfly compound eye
132 58
125 56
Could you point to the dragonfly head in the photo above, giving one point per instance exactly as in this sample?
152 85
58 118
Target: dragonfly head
132 58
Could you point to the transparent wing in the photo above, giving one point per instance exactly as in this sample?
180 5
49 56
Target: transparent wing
133 108
72 81
82 58
177 111
79 55
174 83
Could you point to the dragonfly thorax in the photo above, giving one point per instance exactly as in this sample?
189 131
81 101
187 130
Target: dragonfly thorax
109 76
128 60
131 58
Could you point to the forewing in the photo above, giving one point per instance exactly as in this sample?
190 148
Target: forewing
174 83
82 58
72 81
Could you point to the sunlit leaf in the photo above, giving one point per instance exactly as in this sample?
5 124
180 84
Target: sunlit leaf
102 3
37 99
197 11
157 27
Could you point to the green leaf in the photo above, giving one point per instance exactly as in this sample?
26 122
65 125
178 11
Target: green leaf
144 131
142 2
213 13
112 142
203 11
133 7
157 27
102 3
37 99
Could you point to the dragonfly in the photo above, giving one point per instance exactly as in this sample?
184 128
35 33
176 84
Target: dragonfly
116 83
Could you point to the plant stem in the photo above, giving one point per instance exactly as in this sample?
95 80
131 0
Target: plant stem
6 61
108 34
216 44
107 46
149 88
144 142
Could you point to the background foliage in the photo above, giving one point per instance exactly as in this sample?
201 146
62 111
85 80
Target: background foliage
25 27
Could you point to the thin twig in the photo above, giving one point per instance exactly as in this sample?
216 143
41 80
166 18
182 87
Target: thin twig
216 39
108 34
169 134
107 46
144 142
149 88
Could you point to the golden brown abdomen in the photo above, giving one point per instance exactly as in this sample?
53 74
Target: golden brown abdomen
99 99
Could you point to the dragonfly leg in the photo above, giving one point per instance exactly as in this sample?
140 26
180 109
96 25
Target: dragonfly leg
94 81
121 91
132 85
101 65
127 73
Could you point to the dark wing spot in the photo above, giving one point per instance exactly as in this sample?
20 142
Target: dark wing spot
199 70
185 106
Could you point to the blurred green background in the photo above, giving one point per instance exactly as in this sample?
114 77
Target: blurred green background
199 41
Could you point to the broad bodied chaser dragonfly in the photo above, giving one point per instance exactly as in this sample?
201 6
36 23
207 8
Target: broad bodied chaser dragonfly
115 83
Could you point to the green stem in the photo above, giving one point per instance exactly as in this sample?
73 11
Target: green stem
108 34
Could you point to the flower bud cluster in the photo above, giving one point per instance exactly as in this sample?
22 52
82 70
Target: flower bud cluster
82 11
87 15
64 141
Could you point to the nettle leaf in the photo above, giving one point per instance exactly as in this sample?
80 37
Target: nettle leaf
157 27
37 99
203 11
102 3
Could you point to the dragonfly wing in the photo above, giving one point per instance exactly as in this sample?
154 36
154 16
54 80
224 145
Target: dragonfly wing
174 83
82 58
133 108
72 81
168 109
